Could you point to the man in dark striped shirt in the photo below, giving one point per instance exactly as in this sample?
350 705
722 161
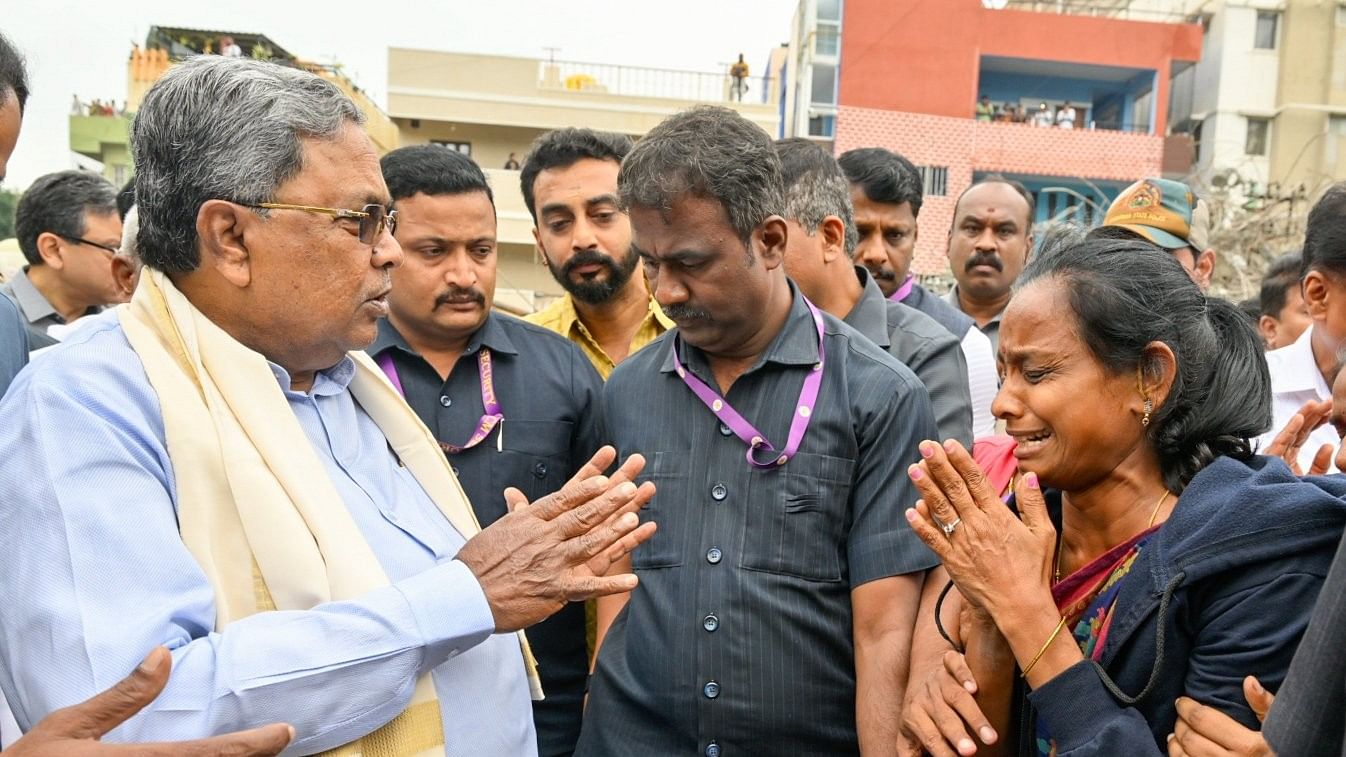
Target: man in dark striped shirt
543 422
776 600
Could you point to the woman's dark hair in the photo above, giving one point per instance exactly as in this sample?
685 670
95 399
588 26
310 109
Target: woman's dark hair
1126 295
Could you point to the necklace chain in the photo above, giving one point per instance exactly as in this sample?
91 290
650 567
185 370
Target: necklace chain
1056 566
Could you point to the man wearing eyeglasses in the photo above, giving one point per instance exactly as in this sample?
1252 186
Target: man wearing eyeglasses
218 469
68 230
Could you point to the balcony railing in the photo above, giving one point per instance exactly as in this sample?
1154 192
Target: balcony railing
663 83
1174 12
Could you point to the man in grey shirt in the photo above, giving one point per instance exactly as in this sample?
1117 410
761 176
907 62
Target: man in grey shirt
69 230
13 343
818 259
778 596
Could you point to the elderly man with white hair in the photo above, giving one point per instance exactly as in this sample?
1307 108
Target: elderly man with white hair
217 469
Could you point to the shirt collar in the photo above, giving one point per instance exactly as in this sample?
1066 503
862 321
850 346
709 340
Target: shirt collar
1297 370
491 335
870 314
35 307
952 299
326 382
570 319
796 344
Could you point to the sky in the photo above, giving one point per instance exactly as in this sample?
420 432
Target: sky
79 47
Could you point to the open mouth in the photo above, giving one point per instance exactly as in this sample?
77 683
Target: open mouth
1030 443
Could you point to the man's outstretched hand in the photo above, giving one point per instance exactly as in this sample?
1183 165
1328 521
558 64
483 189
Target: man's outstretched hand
544 554
75 731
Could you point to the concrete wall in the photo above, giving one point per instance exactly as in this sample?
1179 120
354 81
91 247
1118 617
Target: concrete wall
494 90
1311 87
491 145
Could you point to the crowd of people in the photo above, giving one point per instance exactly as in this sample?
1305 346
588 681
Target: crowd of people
279 477
1063 116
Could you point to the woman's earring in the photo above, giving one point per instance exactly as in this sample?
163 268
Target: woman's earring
1149 408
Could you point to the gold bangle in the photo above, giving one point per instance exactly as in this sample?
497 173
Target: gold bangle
1043 651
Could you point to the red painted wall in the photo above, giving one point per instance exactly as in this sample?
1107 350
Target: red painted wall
922 56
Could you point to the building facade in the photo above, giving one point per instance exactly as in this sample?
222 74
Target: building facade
100 133
909 76
491 107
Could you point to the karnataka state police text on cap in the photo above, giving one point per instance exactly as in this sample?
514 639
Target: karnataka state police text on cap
1165 212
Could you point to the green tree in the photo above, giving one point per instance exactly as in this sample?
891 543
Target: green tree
8 200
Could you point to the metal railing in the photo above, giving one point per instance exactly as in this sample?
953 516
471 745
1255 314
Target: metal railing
1173 12
664 83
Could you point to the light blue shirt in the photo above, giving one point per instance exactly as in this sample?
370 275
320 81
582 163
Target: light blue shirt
94 574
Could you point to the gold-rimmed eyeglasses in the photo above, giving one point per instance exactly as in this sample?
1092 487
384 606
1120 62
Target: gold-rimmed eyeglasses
373 218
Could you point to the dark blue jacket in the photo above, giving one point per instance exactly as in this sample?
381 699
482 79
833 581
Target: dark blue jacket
1223 590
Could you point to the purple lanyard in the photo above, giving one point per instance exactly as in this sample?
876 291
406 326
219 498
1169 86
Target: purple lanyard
904 290
744 430
488 400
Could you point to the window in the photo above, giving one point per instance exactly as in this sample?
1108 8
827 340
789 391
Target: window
1265 36
829 10
463 147
934 180
822 125
1336 139
824 84
827 40
1256 143
1341 15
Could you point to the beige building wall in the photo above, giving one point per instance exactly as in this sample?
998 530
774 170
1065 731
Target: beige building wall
1312 85
496 90
493 105
490 145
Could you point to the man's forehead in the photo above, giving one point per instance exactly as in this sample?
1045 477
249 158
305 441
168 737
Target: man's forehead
462 215
886 213
585 178
343 170
992 200
661 232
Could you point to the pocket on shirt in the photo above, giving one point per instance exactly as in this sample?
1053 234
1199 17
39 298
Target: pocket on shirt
797 523
534 456
667 509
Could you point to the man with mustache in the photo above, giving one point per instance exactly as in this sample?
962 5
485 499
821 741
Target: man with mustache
778 596
989 243
511 404
817 258
569 182
218 468
886 194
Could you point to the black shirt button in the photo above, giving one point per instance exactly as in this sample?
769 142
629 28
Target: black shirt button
719 492
713 750
540 469
444 400
725 431
711 689
713 555
710 623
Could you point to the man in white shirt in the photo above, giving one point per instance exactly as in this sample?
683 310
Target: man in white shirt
1295 380
1065 116
1304 370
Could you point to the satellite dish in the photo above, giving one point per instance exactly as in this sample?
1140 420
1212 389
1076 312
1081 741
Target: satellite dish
994 5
